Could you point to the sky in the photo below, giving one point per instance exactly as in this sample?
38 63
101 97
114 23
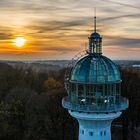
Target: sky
59 29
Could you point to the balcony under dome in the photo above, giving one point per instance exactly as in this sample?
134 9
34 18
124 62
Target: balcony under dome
94 108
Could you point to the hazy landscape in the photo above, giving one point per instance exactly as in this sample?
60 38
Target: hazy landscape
50 65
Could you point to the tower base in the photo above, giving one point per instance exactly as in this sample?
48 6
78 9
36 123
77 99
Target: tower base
93 126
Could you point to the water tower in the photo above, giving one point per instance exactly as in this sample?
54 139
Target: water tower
94 92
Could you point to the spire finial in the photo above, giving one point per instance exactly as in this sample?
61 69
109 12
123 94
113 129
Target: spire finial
95 19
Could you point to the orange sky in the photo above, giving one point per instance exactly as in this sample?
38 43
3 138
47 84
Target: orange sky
58 29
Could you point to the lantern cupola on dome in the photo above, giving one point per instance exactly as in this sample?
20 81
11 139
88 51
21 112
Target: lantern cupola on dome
95 41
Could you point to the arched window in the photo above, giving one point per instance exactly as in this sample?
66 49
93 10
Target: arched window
101 133
104 132
83 132
91 133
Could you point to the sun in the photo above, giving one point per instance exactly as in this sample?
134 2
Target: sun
20 41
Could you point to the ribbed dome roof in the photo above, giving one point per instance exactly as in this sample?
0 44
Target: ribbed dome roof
94 35
95 69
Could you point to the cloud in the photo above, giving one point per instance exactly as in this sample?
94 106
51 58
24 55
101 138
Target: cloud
5 36
43 25
124 42
62 25
58 48
32 5
120 16
122 4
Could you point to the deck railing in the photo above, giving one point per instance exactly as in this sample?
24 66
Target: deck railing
121 105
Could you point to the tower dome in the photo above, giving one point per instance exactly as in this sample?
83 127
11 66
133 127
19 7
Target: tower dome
94 83
95 69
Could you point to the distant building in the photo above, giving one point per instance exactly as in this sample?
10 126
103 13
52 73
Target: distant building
136 66
94 92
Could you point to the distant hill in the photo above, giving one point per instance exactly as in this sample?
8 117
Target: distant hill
55 65
35 66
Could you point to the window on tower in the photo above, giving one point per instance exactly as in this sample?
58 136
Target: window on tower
73 87
91 133
101 133
104 132
83 132
80 90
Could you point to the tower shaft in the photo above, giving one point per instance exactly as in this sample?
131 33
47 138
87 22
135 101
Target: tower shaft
94 126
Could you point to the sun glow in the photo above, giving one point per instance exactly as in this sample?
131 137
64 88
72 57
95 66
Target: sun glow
19 42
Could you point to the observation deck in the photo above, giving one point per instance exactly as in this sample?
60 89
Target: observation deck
122 104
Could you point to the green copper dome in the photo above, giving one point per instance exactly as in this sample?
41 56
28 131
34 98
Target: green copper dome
95 69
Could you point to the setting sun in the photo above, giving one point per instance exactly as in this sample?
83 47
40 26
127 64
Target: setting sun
19 42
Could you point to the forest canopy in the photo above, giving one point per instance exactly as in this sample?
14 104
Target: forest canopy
30 105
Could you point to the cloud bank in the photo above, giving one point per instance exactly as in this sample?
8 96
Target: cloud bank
58 28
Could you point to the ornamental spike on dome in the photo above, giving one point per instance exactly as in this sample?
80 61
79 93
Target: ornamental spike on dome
95 24
95 41
95 20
